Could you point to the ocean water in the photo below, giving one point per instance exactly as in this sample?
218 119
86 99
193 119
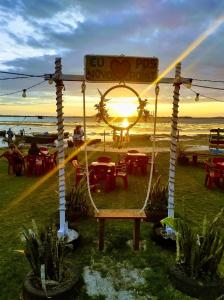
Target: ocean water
187 126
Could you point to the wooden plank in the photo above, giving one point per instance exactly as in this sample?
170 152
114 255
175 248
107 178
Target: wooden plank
120 214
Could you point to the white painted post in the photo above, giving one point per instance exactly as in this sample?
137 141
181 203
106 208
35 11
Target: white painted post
173 147
60 126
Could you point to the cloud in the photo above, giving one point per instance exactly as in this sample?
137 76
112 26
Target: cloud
34 32
26 36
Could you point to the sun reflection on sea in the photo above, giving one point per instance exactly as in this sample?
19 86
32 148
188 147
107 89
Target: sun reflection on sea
125 123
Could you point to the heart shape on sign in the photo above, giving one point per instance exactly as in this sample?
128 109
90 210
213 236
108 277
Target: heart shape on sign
120 68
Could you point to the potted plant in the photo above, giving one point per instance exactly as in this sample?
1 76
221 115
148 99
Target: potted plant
50 276
198 255
156 208
77 201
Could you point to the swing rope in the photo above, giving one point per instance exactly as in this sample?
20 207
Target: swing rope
85 146
153 148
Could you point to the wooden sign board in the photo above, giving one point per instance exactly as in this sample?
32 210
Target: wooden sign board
100 68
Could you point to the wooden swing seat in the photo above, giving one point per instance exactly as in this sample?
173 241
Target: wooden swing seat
124 214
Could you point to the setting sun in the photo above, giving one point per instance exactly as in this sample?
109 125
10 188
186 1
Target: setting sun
122 108
125 123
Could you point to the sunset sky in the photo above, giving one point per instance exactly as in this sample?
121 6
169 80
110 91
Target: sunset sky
33 33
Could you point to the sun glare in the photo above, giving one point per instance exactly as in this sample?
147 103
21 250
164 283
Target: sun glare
122 108
125 123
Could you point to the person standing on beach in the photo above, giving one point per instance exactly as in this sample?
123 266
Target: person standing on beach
78 135
22 132
10 135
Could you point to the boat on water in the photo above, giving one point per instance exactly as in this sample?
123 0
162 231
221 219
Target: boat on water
47 138
39 139
66 134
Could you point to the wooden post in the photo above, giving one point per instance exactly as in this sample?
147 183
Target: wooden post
101 234
136 235
174 135
60 127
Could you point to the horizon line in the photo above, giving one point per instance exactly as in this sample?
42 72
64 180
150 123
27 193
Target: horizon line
93 116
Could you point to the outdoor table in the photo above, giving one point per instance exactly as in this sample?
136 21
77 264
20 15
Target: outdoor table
136 159
101 170
130 154
106 164
103 167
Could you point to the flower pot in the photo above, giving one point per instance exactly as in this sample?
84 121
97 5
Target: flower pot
195 288
66 290
161 239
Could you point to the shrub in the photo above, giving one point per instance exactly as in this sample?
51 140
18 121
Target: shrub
158 197
199 254
45 251
77 199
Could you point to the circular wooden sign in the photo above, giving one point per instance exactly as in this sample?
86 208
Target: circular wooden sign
140 108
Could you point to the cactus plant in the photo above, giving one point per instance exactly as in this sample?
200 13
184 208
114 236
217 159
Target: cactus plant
51 277
200 252
77 200
44 248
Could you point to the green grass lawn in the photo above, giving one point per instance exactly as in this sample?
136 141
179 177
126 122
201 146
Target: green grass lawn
192 199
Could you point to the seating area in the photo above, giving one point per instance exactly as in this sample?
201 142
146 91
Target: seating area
37 165
32 165
109 175
113 232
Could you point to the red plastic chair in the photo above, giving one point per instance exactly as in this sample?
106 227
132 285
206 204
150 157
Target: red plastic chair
122 158
79 171
213 175
50 161
121 172
140 164
34 165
